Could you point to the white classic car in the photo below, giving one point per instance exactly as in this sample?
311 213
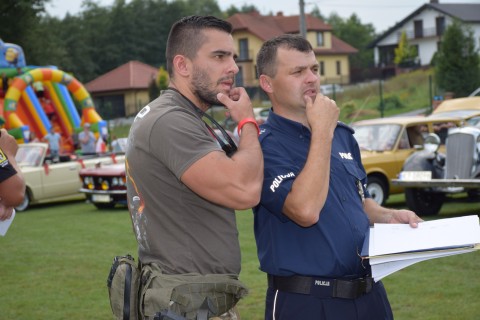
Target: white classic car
57 179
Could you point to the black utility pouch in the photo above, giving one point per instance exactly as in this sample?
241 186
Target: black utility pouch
123 287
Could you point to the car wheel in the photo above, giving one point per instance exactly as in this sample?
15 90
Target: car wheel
25 203
109 205
424 203
377 189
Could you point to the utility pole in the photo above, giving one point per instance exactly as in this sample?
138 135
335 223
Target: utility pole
382 105
303 29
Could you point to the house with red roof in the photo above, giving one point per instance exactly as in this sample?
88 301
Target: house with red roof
123 91
251 30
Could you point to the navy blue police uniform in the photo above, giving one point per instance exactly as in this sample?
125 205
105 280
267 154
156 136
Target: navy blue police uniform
315 272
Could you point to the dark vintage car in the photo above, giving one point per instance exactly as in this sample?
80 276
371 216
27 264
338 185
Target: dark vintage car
431 177
105 186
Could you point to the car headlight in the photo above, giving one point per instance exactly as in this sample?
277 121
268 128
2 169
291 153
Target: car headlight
105 185
115 181
88 182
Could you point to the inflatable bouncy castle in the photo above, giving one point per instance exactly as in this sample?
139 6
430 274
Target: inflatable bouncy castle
33 99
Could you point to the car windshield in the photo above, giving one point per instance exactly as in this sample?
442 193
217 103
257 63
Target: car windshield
380 137
474 121
29 156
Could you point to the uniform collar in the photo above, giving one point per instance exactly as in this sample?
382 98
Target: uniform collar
293 127
285 125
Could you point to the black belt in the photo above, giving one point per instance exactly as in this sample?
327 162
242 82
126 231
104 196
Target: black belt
322 287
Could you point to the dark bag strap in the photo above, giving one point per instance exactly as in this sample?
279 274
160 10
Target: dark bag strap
168 315
205 310
126 293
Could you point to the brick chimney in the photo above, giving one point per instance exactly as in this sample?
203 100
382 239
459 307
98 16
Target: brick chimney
280 14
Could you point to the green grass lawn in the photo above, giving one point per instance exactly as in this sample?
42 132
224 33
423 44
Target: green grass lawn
55 259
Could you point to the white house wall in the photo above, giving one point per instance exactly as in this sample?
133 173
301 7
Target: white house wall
427 45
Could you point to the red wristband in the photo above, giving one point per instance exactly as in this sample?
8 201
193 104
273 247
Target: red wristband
247 120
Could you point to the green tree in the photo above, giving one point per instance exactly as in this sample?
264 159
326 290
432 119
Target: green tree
356 34
162 79
18 20
158 84
90 44
457 65
405 54
316 13
153 91
99 39
203 7
243 9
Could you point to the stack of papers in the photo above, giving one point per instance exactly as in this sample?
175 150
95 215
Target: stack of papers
5 224
391 247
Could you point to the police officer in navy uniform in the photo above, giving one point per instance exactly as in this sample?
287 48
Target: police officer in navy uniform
12 185
315 210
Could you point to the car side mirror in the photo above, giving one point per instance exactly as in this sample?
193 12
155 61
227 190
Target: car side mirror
431 142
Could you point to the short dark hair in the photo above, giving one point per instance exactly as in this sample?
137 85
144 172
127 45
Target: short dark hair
267 56
186 36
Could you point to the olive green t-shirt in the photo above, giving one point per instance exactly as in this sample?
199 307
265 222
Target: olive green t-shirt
174 227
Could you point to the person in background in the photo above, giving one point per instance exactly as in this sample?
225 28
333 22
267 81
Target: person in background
115 146
47 106
315 210
33 137
87 140
12 184
100 146
53 138
184 181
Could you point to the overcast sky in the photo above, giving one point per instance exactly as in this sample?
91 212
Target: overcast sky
382 14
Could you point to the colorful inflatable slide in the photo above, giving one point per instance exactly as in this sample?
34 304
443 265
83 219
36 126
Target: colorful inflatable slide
33 99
